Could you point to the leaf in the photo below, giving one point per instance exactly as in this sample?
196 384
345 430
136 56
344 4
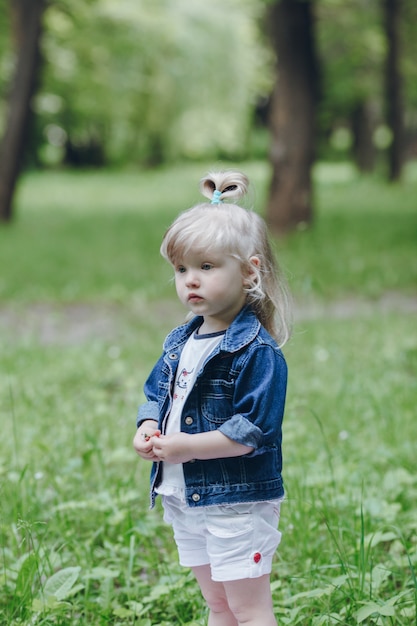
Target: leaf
100 573
75 590
340 580
39 605
313 593
157 592
25 578
122 612
60 584
367 610
387 610
394 599
137 608
379 537
380 573
372 607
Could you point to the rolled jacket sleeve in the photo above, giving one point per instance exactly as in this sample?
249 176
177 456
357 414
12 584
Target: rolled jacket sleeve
150 410
242 431
147 411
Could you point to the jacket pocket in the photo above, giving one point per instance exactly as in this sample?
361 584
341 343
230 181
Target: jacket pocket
217 400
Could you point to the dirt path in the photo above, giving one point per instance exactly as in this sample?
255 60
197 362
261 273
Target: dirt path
77 323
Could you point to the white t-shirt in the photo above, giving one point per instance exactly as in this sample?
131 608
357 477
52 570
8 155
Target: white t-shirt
194 354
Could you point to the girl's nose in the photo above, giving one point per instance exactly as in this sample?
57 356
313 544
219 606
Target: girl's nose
192 279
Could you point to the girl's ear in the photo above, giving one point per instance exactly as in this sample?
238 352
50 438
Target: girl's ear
252 270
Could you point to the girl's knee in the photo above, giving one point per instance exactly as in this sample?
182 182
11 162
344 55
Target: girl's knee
253 615
216 602
250 601
243 613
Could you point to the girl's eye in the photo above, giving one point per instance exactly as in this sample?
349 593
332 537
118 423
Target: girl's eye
206 266
181 269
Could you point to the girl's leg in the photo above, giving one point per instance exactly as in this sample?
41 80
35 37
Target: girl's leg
250 601
215 595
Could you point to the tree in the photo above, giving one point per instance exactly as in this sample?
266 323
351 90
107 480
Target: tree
363 128
393 87
293 113
27 27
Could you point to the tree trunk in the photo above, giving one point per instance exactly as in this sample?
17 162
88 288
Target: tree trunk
393 88
363 127
292 118
27 28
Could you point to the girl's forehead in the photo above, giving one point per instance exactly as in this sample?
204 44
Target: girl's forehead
200 252
197 256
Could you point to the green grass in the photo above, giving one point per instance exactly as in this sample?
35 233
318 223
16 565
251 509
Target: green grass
96 235
85 303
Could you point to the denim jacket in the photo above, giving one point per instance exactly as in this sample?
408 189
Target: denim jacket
239 390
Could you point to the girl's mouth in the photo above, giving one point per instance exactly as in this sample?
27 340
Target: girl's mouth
194 298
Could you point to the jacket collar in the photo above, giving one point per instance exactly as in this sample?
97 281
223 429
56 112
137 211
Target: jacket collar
241 332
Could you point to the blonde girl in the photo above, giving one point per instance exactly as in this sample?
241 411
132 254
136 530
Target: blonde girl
212 421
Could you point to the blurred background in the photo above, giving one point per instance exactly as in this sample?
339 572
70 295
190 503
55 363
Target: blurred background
100 83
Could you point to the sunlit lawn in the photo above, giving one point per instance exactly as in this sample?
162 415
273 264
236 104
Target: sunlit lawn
78 543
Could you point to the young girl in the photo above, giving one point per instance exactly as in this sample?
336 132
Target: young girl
215 403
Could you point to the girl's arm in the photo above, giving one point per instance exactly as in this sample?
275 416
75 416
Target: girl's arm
183 447
258 400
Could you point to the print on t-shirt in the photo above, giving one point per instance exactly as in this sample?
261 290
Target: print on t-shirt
183 380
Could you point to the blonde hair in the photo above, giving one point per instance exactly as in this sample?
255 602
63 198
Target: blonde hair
240 233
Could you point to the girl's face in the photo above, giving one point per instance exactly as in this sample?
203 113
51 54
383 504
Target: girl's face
212 285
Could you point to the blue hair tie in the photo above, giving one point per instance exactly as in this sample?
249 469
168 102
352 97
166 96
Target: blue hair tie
216 197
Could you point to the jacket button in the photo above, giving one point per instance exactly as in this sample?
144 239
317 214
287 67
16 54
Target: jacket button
195 497
172 356
189 420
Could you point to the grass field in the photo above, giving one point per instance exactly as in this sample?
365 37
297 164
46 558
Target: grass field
85 302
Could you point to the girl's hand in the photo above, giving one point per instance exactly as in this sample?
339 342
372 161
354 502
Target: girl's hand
175 448
143 440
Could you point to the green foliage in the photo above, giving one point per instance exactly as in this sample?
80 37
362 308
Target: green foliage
352 47
78 543
150 82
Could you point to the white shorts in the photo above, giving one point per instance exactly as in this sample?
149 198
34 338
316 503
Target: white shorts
236 540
